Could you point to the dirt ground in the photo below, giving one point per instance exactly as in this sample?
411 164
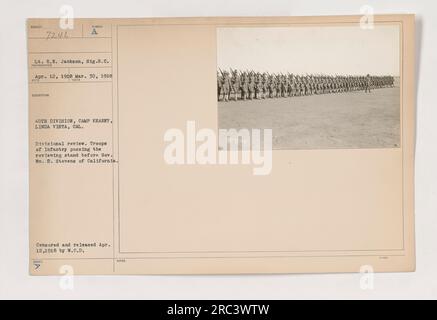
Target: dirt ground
342 120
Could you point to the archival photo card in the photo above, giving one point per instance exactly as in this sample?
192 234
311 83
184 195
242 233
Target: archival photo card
315 87
129 168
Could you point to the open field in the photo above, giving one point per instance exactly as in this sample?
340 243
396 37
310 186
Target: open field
342 120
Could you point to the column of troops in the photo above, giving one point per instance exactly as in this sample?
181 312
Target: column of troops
248 85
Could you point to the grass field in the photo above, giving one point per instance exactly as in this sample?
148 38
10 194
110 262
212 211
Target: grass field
343 120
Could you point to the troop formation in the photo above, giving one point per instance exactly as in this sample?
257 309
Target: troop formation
243 85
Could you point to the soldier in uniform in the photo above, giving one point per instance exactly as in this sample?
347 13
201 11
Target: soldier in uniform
319 85
251 85
244 86
226 86
286 85
278 86
219 85
235 84
272 86
368 83
259 87
265 85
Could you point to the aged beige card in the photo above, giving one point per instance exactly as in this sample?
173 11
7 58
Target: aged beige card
221 145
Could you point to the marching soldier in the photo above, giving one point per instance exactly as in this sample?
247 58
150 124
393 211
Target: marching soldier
244 85
368 83
235 84
226 86
272 86
265 85
258 87
251 86
219 85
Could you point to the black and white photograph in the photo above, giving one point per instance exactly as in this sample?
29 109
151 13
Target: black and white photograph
316 87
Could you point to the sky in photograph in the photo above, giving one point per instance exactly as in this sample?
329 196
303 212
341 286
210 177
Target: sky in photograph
312 50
